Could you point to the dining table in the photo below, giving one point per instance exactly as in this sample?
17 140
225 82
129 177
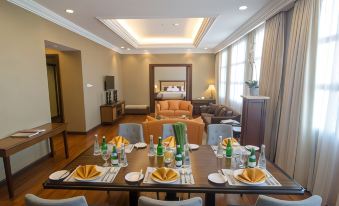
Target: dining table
203 162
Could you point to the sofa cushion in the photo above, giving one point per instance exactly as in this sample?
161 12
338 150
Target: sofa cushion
149 118
223 112
181 112
229 113
184 105
173 104
163 105
217 110
198 119
212 108
166 112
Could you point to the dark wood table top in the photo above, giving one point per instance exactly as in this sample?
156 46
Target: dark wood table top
10 145
203 163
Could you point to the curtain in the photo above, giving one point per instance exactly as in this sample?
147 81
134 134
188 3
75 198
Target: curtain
222 75
317 155
217 76
257 51
237 74
290 121
271 77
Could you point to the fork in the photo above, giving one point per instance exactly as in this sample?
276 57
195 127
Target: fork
189 172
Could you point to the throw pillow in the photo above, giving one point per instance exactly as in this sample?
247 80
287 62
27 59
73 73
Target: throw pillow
184 105
223 112
163 105
198 119
173 104
217 110
212 108
150 119
229 113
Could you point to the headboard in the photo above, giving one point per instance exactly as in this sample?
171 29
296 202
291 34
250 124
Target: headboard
165 84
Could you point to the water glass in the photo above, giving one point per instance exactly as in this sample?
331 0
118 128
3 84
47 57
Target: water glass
105 154
243 158
169 156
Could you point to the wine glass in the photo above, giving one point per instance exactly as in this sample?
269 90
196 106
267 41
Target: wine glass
105 156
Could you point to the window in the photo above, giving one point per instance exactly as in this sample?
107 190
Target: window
258 46
326 95
222 77
237 74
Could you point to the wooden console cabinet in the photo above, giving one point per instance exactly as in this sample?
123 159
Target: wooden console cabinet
112 112
253 120
200 102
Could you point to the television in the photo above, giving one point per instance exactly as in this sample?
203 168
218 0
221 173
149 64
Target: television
109 82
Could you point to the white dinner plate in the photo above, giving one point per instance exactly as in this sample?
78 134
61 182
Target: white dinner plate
140 145
194 146
134 177
240 171
58 175
216 178
165 182
100 169
249 147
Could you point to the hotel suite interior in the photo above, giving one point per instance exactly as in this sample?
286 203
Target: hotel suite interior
243 93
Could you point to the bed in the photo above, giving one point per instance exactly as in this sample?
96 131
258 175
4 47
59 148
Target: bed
172 89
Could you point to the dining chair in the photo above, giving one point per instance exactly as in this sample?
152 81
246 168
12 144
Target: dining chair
263 200
32 200
132 131
167 130
216 130
146 201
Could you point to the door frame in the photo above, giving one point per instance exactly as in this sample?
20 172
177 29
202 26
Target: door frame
55 63
151 81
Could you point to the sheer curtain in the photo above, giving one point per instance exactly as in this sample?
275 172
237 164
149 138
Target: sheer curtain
222 77
237 74
325 126
258 48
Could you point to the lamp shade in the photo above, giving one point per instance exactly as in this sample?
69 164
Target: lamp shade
211 87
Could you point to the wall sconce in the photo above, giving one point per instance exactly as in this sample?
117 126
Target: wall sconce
89 85
155 88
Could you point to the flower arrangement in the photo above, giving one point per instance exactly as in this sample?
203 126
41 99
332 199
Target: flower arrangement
252 84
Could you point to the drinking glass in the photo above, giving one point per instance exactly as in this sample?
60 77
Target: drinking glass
105 154
243 158
168 156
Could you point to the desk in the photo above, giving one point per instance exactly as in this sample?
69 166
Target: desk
12 145
203 162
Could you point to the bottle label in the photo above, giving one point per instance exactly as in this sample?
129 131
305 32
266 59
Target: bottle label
251 164
115 162
178 163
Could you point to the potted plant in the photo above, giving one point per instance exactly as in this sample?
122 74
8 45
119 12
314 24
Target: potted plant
254 87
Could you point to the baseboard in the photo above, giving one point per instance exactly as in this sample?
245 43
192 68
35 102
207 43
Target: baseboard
29 166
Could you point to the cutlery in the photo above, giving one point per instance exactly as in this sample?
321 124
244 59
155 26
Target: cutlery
182 176
140 173
189 172
222 175
146 177
63 175
114 173
105 174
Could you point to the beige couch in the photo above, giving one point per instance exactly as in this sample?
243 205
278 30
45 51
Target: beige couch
174 108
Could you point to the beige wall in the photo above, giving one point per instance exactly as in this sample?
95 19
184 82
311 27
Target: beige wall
72 89
136 73
23 76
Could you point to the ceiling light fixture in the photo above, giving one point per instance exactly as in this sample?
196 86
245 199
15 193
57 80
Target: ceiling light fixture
243 8
176 24
70 11
205 48
122 47
128 49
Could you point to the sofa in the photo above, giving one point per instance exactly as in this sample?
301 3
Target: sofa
214 114
195 129
174 108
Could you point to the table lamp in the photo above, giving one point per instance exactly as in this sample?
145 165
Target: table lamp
211 89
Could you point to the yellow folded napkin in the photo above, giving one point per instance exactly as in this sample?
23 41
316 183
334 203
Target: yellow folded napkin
233 141
86 172
165 174
170 141
252 175
118 140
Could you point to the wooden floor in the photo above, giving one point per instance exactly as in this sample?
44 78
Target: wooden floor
30 180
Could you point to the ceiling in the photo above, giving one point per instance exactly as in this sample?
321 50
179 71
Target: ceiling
157 26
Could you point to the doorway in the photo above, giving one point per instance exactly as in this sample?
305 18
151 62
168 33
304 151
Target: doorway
53 76
169 81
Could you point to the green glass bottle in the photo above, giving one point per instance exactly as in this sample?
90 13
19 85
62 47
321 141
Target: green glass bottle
160 148
229 149
103 144
178 157
252 160
114 157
